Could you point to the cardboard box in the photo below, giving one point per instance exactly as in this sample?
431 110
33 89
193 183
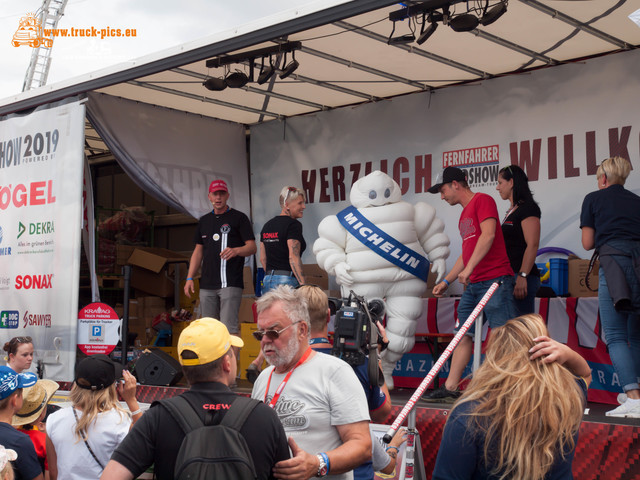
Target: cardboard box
110 281
431 282
577 272
123 252
245 314
154 269
247 279
133 309
314 275
251 345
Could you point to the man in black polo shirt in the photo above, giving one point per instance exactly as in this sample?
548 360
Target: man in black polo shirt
208 357
223 238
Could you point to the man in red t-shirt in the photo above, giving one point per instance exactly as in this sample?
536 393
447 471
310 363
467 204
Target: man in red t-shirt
483 261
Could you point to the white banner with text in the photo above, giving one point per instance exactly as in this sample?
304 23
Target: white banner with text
557 124
41 164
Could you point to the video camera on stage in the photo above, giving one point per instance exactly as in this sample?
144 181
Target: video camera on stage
355 331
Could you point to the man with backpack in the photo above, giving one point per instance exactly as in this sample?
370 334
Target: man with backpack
229 437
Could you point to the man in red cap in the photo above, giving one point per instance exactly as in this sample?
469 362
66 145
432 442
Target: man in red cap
223 238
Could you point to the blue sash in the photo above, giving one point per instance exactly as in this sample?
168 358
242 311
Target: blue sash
383 244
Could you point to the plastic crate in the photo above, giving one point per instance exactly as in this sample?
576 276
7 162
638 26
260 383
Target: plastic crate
559 279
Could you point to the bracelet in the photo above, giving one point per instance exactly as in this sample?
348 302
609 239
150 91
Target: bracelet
326 460
390 447
189 278
446 282
136 412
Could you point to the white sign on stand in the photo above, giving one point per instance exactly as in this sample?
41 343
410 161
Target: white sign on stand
98 329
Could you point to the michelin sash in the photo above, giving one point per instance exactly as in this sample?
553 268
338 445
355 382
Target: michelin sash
383 244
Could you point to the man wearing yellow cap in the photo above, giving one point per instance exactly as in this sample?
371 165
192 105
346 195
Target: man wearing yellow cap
207 353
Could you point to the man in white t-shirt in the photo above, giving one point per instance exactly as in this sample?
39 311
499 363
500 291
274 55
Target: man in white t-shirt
318 398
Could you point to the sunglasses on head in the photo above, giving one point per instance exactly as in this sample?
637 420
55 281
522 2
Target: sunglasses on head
271 334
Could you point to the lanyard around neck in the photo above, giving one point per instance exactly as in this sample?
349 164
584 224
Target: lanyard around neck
276 395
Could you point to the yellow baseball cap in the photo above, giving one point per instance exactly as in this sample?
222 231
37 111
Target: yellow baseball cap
208 338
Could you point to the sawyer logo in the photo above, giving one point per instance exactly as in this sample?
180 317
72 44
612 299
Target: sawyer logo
34 282
3 250
36 320
5 283
9 319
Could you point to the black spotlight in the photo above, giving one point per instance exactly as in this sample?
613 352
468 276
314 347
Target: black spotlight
266 73
464 22
290 67
236 79
214 84
494 14
426 33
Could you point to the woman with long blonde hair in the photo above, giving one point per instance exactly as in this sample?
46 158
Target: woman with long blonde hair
520 415
81 439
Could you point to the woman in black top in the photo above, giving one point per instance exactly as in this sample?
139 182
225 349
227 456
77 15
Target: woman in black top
282 243
521 231
610 222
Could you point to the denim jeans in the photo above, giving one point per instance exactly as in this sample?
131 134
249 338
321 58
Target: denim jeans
528 304
500 307
272 281
621 329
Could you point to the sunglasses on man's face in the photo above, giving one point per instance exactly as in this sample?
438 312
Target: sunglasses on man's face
271 334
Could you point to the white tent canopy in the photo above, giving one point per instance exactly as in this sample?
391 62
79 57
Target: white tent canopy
345 59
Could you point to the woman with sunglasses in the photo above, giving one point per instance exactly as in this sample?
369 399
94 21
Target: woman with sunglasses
610 223
19 353
521 232
282 243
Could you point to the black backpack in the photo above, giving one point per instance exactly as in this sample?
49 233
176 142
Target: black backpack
212 451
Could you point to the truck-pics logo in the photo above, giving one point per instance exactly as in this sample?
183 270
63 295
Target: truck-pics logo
30 33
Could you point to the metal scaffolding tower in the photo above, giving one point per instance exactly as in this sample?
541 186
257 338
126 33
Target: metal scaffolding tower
49 15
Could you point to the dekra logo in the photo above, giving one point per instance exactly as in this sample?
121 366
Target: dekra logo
36 228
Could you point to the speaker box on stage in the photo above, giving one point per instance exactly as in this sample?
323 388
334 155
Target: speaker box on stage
155 367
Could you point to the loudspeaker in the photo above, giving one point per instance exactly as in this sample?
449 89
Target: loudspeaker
155 367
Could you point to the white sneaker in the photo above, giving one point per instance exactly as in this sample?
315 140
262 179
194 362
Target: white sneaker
626 410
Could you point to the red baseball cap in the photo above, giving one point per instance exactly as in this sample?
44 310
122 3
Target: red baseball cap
218 185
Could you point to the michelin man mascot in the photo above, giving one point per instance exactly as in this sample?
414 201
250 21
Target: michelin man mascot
376 247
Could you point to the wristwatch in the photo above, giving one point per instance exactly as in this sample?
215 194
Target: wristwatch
523 274
323 469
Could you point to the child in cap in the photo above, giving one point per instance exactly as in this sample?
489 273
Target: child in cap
11 384
6 457
81 438
34 408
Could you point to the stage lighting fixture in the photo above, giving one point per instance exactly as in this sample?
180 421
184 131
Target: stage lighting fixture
408 38
237 79
425 33
464 22
214 84
290 67
494 14
266 72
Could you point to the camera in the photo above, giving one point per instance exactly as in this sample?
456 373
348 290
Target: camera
355 331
